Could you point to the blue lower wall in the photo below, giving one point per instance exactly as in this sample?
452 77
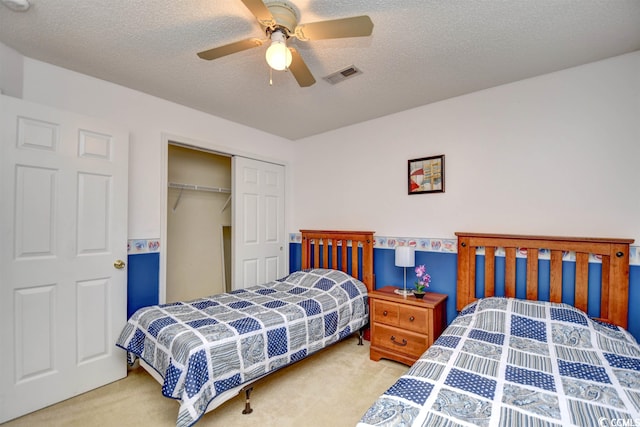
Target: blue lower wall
443 270
143 280
144 269
634 301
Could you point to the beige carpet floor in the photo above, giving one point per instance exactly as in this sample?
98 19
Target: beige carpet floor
333 387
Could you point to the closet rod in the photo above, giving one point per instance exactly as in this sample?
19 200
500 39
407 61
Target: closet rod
199 188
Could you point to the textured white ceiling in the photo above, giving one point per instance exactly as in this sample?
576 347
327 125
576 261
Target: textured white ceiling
420 52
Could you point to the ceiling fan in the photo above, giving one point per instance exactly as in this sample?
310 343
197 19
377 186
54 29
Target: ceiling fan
280 22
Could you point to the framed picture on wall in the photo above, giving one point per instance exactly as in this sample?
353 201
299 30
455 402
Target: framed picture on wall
426 175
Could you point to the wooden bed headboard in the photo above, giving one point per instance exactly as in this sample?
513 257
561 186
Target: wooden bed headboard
319 242
614 297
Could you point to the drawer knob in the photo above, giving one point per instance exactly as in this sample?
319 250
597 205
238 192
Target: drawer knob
401 344
384 313
411 319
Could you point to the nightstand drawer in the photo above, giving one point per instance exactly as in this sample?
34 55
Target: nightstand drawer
414 319
399 340
385 312
402 316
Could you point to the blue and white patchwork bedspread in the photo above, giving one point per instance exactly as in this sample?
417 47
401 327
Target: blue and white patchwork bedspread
205 347
508 362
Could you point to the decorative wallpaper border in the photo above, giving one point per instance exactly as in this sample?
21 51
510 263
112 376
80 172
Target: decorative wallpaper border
142 246
451 246
421 244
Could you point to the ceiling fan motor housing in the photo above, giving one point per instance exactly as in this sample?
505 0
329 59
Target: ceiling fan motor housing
285 16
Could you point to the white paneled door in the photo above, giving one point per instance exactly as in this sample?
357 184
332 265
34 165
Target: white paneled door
258 222
63 244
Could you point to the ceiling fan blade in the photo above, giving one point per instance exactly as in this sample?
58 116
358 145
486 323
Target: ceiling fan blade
228 49
300 70
261 12
358 26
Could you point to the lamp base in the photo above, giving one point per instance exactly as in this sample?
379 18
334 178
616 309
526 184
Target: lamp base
403 292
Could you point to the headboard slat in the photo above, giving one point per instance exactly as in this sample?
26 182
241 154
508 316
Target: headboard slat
354 257
532 273
490 271
344 255
316 253
582 280
325 253
555 277
510 272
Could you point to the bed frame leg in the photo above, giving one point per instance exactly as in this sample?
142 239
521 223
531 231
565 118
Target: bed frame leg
360 335
247 405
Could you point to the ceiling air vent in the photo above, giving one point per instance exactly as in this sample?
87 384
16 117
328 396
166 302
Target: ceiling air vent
342 75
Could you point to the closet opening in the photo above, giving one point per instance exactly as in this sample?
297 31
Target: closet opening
198 243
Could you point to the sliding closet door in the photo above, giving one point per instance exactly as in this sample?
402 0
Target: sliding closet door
258 222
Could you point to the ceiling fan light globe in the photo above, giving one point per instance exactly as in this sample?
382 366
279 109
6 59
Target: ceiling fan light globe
278 55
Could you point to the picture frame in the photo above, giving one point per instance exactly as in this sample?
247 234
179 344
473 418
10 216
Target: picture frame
426 175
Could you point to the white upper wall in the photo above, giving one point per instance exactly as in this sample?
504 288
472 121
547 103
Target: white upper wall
556 154
149 120
11 70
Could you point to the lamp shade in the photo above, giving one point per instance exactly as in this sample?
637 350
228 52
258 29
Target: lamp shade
405 256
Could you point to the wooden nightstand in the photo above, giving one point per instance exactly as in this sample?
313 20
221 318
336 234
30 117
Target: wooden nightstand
402 328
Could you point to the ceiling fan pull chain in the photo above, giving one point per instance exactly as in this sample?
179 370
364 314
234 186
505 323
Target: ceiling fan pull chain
270 76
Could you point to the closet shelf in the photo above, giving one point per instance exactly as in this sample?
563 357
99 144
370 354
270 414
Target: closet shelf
196 187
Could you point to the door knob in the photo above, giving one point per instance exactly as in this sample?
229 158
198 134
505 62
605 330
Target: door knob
119 264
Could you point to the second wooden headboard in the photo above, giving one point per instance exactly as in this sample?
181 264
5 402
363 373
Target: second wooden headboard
324 244
614 295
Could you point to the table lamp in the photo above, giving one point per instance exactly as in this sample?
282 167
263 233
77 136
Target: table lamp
405 257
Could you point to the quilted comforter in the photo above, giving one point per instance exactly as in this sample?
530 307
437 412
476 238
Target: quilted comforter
205 347
508 362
